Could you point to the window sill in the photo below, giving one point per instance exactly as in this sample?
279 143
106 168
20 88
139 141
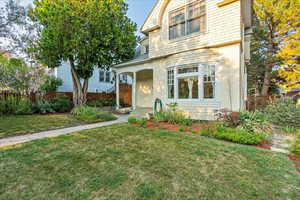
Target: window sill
187 37
204 101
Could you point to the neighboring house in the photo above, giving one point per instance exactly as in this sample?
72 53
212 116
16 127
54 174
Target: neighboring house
101 81
193 53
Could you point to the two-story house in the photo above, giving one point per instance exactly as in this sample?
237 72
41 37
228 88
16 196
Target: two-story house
193 53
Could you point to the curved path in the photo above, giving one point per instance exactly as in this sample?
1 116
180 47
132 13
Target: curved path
53 133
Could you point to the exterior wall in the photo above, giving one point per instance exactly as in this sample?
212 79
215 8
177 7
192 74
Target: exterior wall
223 25
95 85
144 89
227 75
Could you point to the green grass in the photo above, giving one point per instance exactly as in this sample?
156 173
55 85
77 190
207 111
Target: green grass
126 162
23 124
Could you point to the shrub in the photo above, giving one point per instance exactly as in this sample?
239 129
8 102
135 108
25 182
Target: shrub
91 115
283 112
14 105
101 103
239 136
295 145
253 121
61 104
142 123
182 129
234 135
43 107
24 107
132 120
51 84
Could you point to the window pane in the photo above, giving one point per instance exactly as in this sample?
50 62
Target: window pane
188 88
107 77
177 31
209 90
193 26
185 70
101 76
170 84
209 81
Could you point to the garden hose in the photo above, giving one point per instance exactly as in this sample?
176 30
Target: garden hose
156 103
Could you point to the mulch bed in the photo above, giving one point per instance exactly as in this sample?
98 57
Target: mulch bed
195 128
296 160
263 145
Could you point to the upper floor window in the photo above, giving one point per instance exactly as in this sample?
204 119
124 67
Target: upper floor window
188 20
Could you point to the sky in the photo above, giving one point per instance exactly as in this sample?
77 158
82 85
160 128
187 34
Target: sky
138 9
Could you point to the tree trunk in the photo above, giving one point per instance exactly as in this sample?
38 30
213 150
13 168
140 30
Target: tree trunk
269 65
267 80
79 91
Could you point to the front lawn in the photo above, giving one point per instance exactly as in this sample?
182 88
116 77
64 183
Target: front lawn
127 162
22 124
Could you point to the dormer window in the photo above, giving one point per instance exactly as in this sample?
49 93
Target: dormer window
188 20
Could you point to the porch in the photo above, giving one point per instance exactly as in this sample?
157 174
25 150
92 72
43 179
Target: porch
142 86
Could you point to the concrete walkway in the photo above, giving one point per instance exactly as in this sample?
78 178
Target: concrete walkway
280 143
29 137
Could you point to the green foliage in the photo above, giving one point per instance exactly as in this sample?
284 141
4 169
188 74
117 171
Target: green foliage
61 104
142 123
283 112
91 115
51 83
14 105
235 135
240 136
172 116
182 129
43 107
295 145
253 121
101 103
16 75
132 120
87 34
288 130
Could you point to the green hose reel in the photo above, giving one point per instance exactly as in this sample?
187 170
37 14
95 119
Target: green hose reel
158 106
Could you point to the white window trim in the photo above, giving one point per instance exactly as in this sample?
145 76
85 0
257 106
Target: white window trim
200 74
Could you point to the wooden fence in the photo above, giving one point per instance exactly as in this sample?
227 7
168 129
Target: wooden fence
125 95
6 95
260 102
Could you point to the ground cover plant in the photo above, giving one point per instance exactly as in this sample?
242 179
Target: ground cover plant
92 115
127 162
284 113
24 124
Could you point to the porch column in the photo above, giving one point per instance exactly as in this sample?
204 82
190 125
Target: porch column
134 91
118 90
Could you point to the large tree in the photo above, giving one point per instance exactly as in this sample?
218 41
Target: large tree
16 28
86 33
260 43
289 38
267 25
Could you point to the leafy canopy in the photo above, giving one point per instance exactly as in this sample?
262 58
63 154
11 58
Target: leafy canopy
88 33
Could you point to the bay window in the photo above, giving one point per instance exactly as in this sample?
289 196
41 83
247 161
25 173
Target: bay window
192 82
187 20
